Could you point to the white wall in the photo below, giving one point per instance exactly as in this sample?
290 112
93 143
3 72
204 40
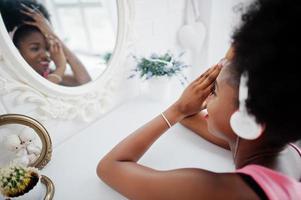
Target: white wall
158 22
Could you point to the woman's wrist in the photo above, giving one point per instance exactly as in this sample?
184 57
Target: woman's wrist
56 76
60 69
61 65
173 114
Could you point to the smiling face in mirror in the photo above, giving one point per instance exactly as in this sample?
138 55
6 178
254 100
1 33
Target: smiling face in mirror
72 50
33 46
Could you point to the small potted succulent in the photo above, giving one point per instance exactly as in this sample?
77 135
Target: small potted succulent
19 182
157 71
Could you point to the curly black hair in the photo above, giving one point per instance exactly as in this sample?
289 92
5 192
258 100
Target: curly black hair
267 46
12 17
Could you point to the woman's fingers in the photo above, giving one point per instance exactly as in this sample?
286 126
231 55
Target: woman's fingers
30 14
29 9
55 45
51 46
209 78
194 96
60 47
35 16
30 23
26 7
38 20
33 13
39 12
206 92
206 72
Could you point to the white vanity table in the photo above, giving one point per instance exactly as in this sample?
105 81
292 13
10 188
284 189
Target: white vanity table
73 164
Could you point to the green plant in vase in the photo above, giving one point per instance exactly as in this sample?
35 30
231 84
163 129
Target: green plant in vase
159 66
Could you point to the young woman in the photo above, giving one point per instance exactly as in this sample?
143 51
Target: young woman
252 110
38 44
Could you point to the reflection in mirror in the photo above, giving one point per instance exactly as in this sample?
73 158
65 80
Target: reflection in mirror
19 144
69 42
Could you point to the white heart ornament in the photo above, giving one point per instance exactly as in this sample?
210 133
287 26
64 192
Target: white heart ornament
192 36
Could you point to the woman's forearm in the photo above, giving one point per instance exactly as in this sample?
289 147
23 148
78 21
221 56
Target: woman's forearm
133 147
60 70
78 69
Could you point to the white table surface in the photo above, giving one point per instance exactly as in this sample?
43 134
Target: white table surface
73 164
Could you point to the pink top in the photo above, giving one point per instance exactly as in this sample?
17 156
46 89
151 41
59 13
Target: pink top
275 185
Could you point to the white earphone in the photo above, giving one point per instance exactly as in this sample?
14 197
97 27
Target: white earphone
243 123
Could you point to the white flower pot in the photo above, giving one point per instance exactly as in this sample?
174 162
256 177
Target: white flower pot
159 88
37 192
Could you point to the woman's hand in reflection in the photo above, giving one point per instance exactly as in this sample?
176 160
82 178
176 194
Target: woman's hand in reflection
194 96
39 21
56 52
59 59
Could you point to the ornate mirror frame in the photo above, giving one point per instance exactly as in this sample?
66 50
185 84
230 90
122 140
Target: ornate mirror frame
84 102
46 152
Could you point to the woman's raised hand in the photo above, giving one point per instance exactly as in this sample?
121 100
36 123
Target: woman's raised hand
193 98
56 52
39 20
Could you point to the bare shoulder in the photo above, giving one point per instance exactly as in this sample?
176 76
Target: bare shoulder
202 184
139 182
222 185
238 188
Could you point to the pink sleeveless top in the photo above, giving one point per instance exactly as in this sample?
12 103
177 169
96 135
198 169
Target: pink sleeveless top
275 185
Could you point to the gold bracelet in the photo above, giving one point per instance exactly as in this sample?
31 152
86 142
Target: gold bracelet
56 76
166 120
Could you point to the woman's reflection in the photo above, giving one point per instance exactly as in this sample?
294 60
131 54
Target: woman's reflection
39 45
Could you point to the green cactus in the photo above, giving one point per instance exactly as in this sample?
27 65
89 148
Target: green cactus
17 180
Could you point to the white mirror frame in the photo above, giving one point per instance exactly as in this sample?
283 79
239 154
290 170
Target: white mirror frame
84 102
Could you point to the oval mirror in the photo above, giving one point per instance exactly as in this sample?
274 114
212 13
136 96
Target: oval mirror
24 140
20 84
68 42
